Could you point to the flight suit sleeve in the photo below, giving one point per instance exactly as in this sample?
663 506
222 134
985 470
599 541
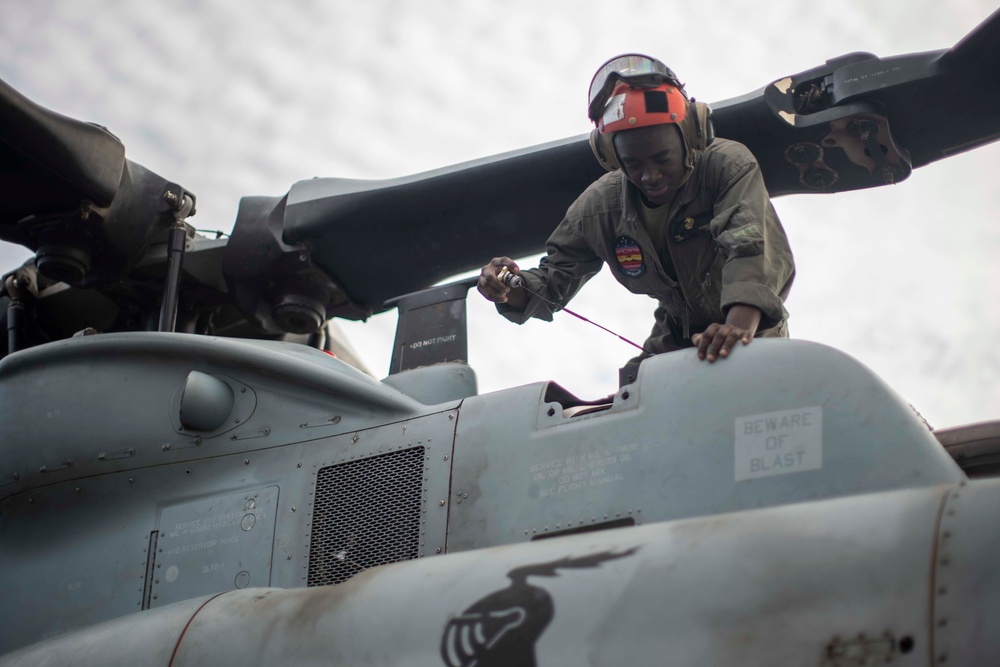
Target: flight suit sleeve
570 262
760 267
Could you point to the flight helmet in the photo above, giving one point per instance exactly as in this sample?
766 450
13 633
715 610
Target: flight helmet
632 91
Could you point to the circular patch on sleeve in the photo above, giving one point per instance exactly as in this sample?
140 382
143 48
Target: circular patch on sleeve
629 256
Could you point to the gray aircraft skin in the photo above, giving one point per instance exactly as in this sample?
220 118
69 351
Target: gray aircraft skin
188 476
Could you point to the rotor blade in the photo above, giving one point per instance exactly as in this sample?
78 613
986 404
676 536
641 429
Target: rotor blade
50 162
381 239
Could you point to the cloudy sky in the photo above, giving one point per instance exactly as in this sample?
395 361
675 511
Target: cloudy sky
246 97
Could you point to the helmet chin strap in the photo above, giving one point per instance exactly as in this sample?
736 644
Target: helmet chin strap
691 158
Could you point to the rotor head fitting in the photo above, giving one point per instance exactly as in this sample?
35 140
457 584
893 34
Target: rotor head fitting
299 314
63 262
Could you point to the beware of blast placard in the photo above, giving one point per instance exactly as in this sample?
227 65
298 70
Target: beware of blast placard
777 443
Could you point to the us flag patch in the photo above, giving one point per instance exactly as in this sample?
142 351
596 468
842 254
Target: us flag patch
629 257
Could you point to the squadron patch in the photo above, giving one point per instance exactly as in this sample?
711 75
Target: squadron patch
629 256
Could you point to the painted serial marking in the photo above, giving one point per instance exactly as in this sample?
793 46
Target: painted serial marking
873 75
204 524
198 546
584 471
778 443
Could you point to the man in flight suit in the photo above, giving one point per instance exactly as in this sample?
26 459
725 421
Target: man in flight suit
682 216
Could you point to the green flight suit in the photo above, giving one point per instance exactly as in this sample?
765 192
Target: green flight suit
722 237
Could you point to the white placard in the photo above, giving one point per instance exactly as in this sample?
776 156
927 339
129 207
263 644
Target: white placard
778 443
614 110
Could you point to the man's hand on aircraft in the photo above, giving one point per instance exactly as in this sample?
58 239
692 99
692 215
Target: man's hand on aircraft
493 289
718 340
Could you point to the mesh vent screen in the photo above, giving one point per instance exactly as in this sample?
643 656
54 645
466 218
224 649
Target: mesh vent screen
366 513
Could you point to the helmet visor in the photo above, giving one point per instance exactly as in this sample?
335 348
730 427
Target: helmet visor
634 69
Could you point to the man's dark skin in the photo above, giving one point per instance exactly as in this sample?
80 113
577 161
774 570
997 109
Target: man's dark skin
653 160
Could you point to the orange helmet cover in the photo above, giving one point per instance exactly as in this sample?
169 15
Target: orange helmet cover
629 108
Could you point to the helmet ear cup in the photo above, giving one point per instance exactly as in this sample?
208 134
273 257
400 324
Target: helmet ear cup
704 130
604 149
709 125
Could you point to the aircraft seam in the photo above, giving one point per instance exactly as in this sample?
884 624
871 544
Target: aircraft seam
935 547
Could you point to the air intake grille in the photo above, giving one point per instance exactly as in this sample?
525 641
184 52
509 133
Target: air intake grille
366 513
